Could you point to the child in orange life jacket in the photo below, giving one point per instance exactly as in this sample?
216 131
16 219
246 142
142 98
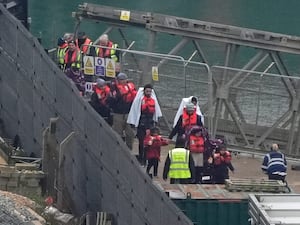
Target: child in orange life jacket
196 145
221 162
153 142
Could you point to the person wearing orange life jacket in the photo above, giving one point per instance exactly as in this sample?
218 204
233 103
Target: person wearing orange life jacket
72 65
196 144
188 119
221 164
107 48
144 114
153 142
146 120
72 59
83 42
62 46
122 95
99 100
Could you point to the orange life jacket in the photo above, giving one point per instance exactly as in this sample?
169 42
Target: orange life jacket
127 91
85 45
189 120
105 52
75 59
196 143
148 105
104 92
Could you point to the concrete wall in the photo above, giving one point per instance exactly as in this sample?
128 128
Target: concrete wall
100 173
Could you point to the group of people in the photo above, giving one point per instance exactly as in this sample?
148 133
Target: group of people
194 159
135 113
70 52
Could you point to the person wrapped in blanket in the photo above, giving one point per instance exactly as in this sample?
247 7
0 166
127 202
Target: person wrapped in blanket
186 120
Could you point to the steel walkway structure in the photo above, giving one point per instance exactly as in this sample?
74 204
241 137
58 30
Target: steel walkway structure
251 51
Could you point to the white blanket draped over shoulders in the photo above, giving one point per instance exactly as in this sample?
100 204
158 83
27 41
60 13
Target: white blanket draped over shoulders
183 103
135 110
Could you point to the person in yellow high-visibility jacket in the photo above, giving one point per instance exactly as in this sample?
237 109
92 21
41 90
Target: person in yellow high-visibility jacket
179 166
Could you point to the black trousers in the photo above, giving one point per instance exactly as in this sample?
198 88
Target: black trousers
141 133
181 181
152 163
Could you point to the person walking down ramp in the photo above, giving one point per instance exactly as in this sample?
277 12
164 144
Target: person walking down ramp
188 119
222 162
123 93
99 100
144 114
179 165
153 143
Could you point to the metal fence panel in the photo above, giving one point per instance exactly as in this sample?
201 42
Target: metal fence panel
257 108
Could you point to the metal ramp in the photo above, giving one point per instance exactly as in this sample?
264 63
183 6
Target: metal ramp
264 53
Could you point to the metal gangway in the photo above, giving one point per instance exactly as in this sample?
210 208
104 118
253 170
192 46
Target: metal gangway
254 97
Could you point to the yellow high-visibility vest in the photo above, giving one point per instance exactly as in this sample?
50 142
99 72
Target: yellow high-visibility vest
179 167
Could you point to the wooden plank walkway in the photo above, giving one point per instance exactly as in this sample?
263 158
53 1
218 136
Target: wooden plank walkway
255 185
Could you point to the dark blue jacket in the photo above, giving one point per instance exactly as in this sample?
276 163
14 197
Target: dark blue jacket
274 163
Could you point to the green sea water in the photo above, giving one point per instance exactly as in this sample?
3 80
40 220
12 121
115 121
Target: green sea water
51 19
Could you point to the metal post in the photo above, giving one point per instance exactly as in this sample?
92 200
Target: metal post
49 158
258 98
61 192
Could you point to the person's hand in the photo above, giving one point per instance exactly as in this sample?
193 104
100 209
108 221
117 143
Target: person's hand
210 160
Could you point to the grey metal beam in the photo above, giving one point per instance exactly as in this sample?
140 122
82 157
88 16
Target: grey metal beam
146 78
281 69
216 117
195 29
297 141
231 111
253 43
259 63
236 106
270 129
292 132
297 144
200 51
183 42
123 37
258 57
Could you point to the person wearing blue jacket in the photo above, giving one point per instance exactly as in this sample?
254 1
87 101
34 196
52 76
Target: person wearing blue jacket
274 164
